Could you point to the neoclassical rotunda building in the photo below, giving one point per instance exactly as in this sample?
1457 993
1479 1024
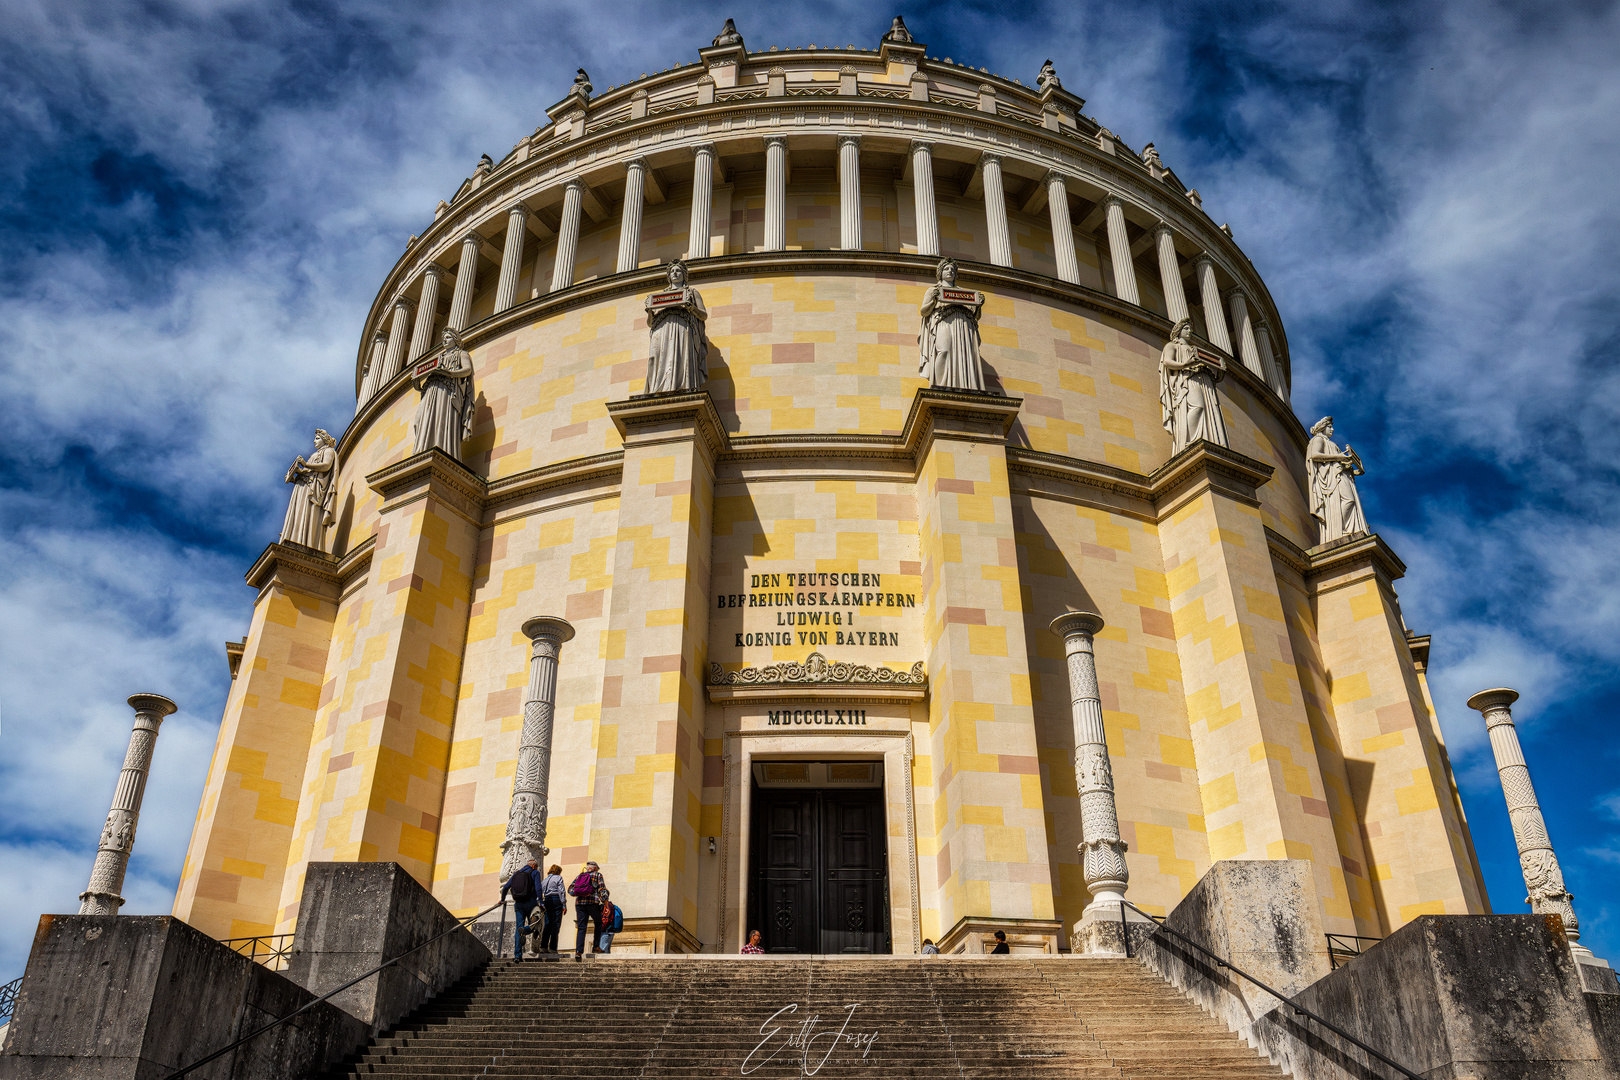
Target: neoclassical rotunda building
933 551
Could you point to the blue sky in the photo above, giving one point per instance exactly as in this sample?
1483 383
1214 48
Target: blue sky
198 199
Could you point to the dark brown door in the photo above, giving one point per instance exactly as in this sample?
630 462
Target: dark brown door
819 877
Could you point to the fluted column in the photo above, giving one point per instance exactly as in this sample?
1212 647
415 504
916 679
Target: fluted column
1243 329
1268 360
635 197
776 193
1175 298
526 819
849 192
1543 878
427 309
995 211
517 218
922 187
698 235
1210 293
466 281
102 896
562 270
1057 208
398 331
1101 850
1119 250
374 368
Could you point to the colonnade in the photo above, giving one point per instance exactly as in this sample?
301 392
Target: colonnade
1249 339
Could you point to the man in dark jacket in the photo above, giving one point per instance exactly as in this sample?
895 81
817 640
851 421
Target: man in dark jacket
524 886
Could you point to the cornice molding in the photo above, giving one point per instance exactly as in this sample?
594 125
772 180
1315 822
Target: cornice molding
306 570
431 473
656 418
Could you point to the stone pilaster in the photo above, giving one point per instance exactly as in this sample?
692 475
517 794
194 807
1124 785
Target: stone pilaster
922 187
1210 295
1119 251
231 883
635 198
649 754
1543 878
466 281
1259 778
1175 297
776 192
995 211
517 217
562 268
374 789
849 192
992 850
526 819
102 895
1057 209
427 310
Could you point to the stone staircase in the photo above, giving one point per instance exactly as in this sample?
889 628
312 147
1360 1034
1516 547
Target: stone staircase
711 1017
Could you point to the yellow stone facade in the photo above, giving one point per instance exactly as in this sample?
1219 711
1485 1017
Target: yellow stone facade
1262 696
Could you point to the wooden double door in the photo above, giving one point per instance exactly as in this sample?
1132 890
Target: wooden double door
819 871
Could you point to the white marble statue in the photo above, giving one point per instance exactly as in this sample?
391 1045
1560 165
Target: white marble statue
1335 503
444 416
678 360
1187 391
309 511
949 343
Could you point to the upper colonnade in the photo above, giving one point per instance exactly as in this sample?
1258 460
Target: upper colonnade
1049 181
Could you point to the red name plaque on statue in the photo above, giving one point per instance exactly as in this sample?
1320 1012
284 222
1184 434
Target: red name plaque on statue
674 298
1212 359
428 366
959 296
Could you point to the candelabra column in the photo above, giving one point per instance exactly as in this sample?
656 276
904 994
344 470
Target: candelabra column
775 193
562 271
427 309
1102 852
1543 879
1119 250
635 195
1057 208
102 897
922 187
995 211
517 218
698 237
1175 297
849 192
526 819
1214 314
466 281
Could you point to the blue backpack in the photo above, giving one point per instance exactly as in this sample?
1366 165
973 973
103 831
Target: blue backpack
618 920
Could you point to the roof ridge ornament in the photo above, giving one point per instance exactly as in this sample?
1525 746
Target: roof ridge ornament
898 32
728 35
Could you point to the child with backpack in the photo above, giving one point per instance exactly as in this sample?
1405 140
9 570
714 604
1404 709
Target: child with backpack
612 922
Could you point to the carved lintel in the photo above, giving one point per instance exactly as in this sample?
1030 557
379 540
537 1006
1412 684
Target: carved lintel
817 670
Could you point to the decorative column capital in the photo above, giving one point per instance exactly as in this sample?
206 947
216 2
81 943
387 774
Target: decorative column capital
155 706
548 628
1077 623
924 145
637 163
990 157
1112 199
1204 257
1495 705
379 337
1053 174
434 270
1237 292
519 210
849 140
575 184
776 140
403 301
1162 227
699 149
473 237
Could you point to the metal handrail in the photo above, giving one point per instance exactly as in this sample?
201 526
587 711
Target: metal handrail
8 997
1222 962
461 924
264 949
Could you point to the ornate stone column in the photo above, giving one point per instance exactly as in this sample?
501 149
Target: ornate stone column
398 330
466 281
526 820
775 192
635 197
101 896
849 192
517 218
369 382
1119 250
1243 329
562 270
1057 208
1214 314
1101 850
1268 359
1543 879
698 235
922 188
995 211
427 309
1175 298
